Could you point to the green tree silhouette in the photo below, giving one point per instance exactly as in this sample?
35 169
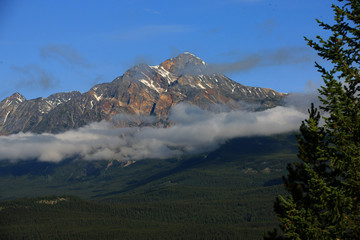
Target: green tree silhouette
324 187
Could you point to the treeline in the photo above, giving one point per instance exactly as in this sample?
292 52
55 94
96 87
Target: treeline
69 217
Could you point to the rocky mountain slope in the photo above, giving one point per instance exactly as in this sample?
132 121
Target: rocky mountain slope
142 91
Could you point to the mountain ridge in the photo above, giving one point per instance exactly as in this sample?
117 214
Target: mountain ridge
141 90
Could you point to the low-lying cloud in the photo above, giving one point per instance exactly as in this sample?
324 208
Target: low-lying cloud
303 101
195 131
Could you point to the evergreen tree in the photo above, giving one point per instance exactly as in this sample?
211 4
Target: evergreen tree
324 186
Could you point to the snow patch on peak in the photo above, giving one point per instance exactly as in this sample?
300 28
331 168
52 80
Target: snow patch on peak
201 86
98 98
151 85
16 97
6 116
164 73
189 53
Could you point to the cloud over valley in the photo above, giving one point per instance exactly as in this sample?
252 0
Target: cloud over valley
194 131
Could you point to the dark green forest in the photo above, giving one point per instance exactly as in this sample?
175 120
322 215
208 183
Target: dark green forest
225 194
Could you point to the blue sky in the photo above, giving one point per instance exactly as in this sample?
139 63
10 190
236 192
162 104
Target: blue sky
57 46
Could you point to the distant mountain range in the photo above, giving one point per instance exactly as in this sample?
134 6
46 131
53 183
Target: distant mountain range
142 91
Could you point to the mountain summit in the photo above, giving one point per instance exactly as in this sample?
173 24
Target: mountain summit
186 63
141 91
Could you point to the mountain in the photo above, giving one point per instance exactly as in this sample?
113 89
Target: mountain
142 91
20 115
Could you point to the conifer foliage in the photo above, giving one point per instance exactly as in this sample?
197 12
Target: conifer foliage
324 186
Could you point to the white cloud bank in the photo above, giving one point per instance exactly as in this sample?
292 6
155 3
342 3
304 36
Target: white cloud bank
195 131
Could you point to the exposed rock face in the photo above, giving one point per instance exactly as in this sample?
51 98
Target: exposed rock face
142 90
20 115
